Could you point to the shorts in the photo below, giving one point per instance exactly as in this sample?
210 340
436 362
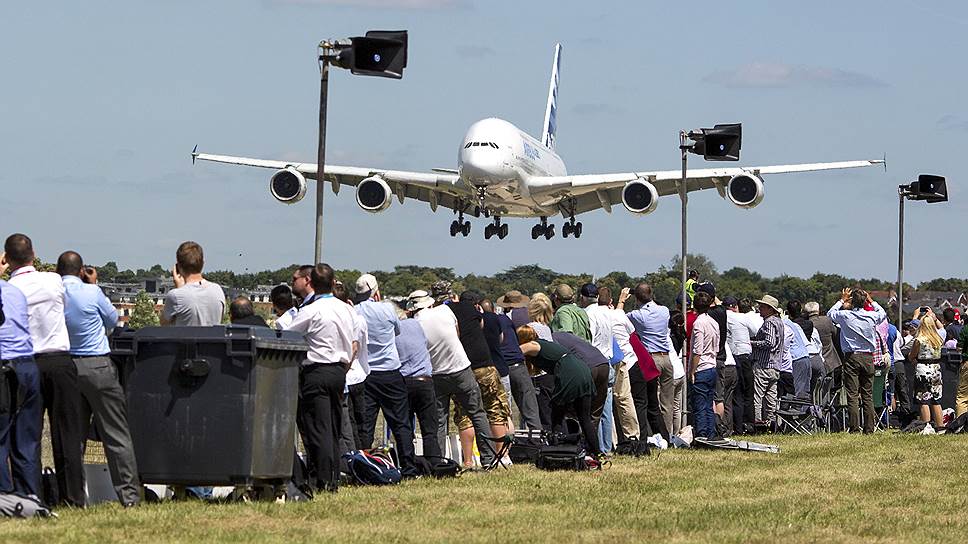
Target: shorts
494 400
927 383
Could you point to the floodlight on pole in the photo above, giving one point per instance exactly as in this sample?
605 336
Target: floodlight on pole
380 53
931 189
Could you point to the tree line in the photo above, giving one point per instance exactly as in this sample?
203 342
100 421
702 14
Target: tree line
737 281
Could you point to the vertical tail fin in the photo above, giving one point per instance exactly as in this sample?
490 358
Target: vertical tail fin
551 112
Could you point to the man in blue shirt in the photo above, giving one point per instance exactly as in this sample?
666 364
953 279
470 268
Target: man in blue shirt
417 371
20 432
384 388
89 315
858 338
651 322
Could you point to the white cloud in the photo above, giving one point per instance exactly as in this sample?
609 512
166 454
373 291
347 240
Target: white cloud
780 75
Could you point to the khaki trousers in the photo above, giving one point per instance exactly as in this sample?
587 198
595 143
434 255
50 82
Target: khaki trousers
624 407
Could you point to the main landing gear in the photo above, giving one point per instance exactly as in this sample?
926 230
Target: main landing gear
497 229
571 227
460 226
543 229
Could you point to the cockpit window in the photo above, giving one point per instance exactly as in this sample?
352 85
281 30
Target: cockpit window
468 145
481 144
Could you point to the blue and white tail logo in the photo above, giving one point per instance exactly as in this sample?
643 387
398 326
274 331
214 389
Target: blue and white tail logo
551 112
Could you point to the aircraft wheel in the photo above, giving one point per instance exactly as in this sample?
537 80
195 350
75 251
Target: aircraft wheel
503 231
550 232
466 229
566 230
536 231
454 228
578 230
488 232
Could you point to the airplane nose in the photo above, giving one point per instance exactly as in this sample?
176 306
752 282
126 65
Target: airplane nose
480 169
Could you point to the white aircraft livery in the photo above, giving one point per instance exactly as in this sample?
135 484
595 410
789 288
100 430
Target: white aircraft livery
504 172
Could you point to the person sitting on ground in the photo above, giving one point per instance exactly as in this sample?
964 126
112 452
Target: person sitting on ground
195 301
241 312
926 350
574 387
568 316
282 305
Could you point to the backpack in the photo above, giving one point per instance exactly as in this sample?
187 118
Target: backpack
563 457
526 445
15 505
372 467
438 467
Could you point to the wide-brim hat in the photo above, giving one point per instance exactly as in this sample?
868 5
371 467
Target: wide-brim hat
770 301
420 303
513 299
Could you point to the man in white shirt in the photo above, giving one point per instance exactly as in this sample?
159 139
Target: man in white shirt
58 375
452 373
327 325
600 325
622 330
739 330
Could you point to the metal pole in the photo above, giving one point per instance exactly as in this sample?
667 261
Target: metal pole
900 258
321 158
684 199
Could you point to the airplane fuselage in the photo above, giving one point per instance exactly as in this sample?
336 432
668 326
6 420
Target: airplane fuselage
501 158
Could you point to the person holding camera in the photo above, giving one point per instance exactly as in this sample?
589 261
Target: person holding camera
926 351
195 301
858 337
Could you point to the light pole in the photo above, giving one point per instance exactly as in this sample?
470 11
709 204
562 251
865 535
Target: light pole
931 189
381 53
720 143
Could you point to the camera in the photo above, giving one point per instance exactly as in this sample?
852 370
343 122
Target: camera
925 308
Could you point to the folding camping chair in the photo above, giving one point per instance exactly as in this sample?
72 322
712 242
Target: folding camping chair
796 415
882 405
500 453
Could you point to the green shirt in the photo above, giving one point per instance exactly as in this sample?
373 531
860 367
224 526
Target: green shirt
963 342
571 318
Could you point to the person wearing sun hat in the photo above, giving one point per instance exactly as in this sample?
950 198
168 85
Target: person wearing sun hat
515 306
767 347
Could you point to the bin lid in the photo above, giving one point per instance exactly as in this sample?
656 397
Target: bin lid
262 337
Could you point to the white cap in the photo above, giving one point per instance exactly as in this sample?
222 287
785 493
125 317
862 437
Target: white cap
366 284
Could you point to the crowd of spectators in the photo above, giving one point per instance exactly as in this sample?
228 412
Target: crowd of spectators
619 364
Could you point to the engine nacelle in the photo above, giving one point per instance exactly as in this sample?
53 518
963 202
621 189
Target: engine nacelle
745 190
640 197
288 185
373 194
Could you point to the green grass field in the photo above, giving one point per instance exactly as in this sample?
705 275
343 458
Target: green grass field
830 488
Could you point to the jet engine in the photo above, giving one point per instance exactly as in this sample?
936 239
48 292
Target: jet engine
288 185
373 194
745 190
640 197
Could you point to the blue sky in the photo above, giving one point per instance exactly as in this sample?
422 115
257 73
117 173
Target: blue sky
102 103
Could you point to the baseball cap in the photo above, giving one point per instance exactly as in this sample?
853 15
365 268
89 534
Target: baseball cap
366 284
441 289
730 301
706 287
589 290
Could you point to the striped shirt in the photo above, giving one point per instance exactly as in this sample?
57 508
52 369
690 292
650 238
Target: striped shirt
768 344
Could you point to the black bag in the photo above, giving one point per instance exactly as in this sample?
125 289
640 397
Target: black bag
524 449
633 447
48 486
563 457
438 467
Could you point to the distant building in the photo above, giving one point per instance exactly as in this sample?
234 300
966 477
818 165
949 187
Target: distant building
123 295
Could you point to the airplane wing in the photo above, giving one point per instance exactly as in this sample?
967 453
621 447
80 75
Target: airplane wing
437 189
594 191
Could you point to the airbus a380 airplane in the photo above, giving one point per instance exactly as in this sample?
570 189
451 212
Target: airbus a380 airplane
504 172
